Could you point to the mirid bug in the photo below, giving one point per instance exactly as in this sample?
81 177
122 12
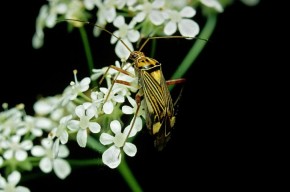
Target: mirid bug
153 88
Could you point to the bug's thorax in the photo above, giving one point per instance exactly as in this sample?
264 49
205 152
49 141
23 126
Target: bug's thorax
142 62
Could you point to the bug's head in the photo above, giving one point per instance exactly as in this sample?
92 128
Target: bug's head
134 55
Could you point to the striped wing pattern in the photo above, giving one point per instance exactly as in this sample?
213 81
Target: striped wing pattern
159 106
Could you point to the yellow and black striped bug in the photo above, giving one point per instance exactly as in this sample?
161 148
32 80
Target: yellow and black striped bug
153 88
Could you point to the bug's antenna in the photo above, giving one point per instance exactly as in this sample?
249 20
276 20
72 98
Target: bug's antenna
170 37
102 28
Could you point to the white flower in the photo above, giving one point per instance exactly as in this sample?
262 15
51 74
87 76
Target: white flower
15 148
215 4
85 114
10 185
127 33
112 156
116 95
10 121
47 105
186 27
152 11
29 125
61 133
79 87
49 162
132 110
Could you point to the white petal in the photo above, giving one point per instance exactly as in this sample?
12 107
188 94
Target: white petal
156 17
158 4
119 21
133 35
26 145
37 132
121 51
132 132
21 189
82 137
170 28
2 182
108 107
127 110
61 168
91 111
20 155
8 154
187 12
112 157
119 98
14 178
106 139
130 149
139 17
85 83
55 148
37 41
46 143
188 28
43 123
37 151
63 151
138 124
115 126
94 127
80 111
73 125
42 107
63 137
51 20
110 14
45 165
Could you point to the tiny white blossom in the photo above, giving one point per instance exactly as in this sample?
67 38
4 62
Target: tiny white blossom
112 156
115 96
29 125
61 134
126 109
11 184
152 11
186 27
15 148
49 162
79 87
85 114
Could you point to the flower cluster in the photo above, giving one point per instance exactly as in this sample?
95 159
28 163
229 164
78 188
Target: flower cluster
81 111
103 117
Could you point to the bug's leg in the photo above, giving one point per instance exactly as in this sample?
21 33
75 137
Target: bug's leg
174 82
138 99
120 70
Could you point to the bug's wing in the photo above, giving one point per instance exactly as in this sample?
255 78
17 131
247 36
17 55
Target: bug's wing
160 112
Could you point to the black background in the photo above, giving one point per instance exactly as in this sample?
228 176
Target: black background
213 145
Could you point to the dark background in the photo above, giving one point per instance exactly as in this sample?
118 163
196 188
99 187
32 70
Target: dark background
213 146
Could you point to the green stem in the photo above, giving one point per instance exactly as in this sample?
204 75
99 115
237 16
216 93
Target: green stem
123 168
87 49
196 48
128 176
85 162
95 145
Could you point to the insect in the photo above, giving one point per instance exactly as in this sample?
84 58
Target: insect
153 88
